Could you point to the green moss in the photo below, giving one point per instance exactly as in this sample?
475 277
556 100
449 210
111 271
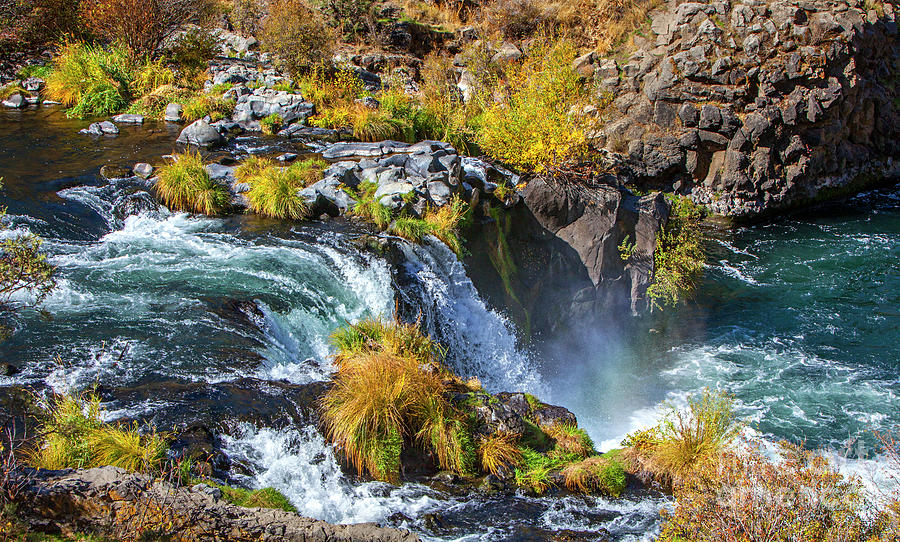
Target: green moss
266 497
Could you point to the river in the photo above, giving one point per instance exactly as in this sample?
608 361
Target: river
798 319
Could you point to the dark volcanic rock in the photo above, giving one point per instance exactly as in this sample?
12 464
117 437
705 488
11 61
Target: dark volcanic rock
134 204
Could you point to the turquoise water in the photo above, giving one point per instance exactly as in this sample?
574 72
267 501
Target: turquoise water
799 320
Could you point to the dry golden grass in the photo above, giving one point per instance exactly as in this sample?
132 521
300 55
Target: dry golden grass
185 185
571 440
499 451
595 474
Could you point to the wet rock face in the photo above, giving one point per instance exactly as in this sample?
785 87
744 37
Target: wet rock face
111 502
753 107
555 257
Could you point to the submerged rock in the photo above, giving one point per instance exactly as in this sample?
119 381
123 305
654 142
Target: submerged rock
134 204
110 172
127 118
15 101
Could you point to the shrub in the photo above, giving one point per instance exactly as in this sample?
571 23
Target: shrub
143 26
24 268
744 496
679 257
297 35
595 474
151 77
351 17
385 397
498 451
570 439
540 123
73 436
245 16
685 440
28 23
192 50
185 185
514 19
271 124
91 80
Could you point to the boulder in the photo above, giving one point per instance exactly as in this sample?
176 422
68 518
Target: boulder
134 204
201 134
143 170
506 54
126 118
173 112
103 500
15 101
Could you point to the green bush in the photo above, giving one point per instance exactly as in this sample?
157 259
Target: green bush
540 123
91 80
192 50
185 185
595 474
679 257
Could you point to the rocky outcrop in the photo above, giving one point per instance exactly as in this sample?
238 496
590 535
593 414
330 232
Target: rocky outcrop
556 256
751 107
110 501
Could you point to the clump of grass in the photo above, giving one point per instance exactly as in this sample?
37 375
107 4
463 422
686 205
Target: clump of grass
499 451
185 185
91 80
369 208
220 88
595 474
388 393
571 439
152 76
445 223
34 70
679 257
273 193
251 167
271 124
73 436
374 335
273 189
535 469
153 105
266 497
12 88
684 440
202 105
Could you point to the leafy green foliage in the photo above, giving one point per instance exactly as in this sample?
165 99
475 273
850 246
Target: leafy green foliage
540 123
24 268
679 256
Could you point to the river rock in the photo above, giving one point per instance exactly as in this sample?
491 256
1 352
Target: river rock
134 204
264 102
173 112
8 369
200 133
100 128
355 149
15 101
143 170
33 84
102 501
110 172
127 118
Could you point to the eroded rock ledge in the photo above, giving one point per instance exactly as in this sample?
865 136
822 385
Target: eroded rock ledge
110 501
